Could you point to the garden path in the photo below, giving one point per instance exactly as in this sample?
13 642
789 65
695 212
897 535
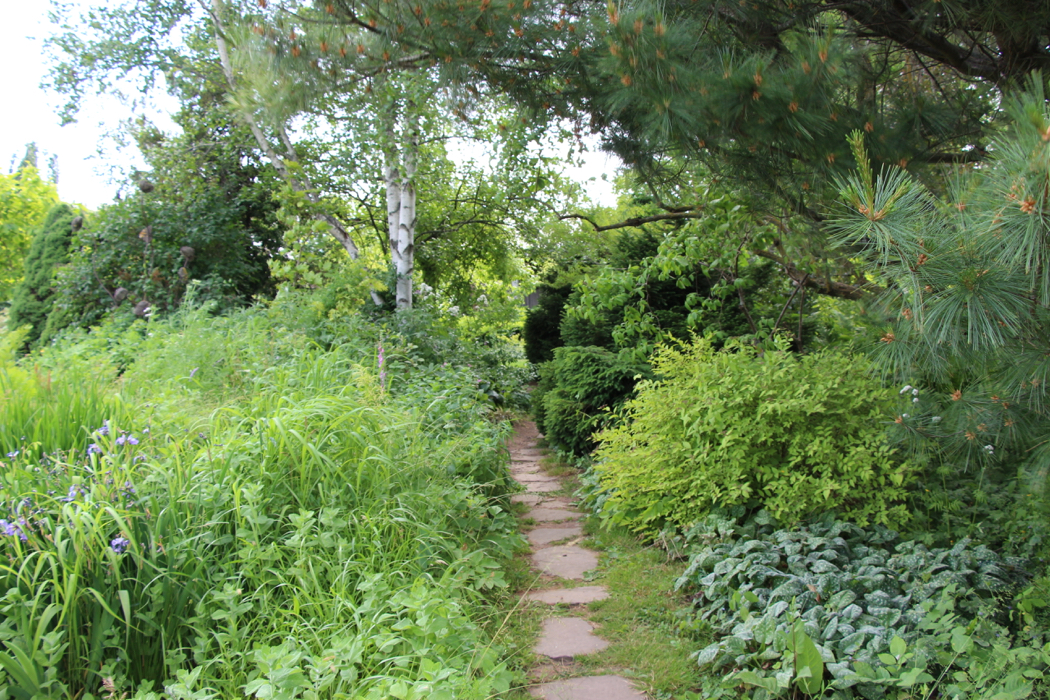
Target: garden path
560 562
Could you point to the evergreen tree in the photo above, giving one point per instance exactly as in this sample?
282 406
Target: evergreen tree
34 297
967 280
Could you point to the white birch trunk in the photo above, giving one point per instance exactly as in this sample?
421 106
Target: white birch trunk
392 178
394 200
407 229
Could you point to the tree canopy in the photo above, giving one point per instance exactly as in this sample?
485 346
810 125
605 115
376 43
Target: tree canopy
763 93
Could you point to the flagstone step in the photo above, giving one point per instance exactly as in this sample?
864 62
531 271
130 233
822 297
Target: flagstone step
546 514
589 688
545 535
536 478
569 596
566 561
543 486
565 638
530 499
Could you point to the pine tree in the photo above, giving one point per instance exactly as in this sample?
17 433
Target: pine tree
967 279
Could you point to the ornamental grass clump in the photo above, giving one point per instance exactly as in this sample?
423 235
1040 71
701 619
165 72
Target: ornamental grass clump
798 435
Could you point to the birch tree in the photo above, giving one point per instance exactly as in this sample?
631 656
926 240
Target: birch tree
334 135
401 159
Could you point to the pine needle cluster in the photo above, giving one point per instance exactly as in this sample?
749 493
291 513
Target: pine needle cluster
967 275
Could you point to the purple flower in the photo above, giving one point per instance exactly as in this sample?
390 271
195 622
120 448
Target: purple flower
104 430
72 496
121 440
193 372
94 449
13 529
12 455
132 440
140 458
119 544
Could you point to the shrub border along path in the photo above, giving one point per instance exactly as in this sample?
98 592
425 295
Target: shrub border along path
558 560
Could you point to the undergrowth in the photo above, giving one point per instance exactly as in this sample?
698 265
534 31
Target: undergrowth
243 511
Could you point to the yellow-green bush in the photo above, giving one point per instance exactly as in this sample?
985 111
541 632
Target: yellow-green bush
796 435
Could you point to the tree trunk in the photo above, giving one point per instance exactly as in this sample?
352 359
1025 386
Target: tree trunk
407 226
395 203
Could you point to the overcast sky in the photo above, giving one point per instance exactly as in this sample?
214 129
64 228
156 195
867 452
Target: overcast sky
30 115
86 158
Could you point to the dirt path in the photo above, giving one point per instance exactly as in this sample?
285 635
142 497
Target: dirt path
560 563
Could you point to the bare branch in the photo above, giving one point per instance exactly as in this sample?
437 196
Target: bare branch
692 213
827 286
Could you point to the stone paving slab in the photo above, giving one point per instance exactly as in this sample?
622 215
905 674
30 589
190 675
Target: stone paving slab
543 486
532 499
568 637
566 561
562 502
589 688
569 596
545 535
545 514
537 479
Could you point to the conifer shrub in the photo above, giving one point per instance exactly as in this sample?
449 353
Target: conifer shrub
540 332
35 296
796 435
579 392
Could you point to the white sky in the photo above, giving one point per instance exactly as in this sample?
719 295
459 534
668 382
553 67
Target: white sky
85 155
30 115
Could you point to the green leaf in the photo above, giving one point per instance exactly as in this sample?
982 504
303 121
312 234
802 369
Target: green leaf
809 666
752 678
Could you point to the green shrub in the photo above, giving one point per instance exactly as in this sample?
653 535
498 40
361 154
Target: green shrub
542 322
796 435
159 250
34 297
579 392
862 597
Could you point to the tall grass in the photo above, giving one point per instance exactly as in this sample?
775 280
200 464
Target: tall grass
311 537
45 410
